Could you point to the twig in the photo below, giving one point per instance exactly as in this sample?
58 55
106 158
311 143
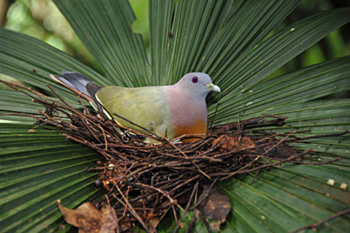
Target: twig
315 225
132 211
187 207
151 134
213 119
104 136
205 196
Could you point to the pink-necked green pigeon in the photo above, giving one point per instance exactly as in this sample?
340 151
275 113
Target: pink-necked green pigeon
174 110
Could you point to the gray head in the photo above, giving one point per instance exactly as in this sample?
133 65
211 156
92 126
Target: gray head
197 84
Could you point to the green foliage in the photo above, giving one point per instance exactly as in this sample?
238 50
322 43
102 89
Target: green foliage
237 43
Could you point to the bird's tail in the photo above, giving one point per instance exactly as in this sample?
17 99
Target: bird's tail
80 85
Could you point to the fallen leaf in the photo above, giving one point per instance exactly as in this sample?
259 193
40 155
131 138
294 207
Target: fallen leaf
89 219
216 207
109 221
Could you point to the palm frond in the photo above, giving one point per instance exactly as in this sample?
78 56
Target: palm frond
37 168
236 42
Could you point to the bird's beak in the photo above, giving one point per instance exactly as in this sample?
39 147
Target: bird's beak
213 87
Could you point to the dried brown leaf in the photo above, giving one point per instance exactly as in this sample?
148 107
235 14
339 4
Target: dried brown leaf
216 206
227 143
89 219
109 221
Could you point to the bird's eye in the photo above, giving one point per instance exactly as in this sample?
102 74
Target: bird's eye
195 79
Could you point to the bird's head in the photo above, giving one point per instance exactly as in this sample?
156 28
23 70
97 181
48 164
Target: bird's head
197 84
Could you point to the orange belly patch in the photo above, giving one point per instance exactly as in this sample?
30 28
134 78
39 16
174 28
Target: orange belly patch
200 127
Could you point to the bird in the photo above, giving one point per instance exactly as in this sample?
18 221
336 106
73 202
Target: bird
171 111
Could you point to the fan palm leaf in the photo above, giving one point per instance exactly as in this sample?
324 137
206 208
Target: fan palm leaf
233 41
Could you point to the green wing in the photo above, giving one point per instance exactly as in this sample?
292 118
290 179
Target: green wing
144 106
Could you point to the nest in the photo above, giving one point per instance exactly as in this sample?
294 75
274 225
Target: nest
146 181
